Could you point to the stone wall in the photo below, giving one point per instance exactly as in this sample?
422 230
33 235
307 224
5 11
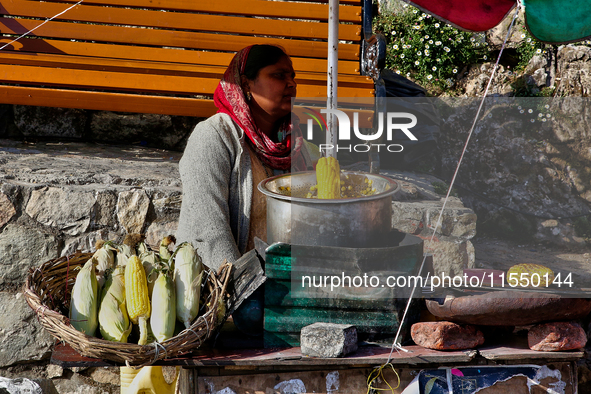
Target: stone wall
56 198
33 123
527 181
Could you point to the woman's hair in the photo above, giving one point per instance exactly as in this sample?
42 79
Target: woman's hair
261 56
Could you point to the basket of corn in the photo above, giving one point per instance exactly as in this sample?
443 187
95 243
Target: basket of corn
129 304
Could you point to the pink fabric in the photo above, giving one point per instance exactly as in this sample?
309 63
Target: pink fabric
472 15
229 99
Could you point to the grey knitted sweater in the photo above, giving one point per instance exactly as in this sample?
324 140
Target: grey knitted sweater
217 191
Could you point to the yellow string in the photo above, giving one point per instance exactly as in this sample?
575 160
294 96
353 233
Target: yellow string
379 373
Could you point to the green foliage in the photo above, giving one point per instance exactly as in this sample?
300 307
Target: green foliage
528 48
422 47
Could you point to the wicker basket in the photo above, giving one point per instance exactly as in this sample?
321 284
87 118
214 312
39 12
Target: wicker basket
47 291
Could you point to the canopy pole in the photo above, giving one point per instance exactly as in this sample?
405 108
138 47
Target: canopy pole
332 75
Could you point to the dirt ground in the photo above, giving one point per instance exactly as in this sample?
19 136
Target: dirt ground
502 254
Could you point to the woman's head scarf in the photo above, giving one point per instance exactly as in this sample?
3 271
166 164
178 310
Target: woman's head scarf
229 99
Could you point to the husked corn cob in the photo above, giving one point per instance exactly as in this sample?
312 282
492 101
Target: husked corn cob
113 318
136 296
163 317
84 301
530 275
328 178
188 272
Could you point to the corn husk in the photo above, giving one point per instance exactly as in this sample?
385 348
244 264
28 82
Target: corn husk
188 272
84 300
105 262
127 248
151 263
163 317
113 320
164 251
115 284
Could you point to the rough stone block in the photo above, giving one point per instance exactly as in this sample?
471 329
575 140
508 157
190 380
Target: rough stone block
420 217
556 336
22 248
22 338
445 335
450 255
328 340
7 210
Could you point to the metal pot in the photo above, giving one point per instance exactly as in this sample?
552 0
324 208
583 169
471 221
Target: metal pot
347 222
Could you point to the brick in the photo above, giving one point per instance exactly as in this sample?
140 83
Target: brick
556 336
445 335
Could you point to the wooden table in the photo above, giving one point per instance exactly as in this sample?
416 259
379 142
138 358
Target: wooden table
256 371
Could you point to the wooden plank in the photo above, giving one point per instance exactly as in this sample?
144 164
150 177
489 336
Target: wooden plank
177 20
349 10
107 101
102 101
65 356
365 355
158 68
169 38
192 57
85 79
512 353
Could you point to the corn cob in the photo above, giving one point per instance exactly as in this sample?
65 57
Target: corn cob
188 271
84 301
113 318
136 296
544 276
328 178
163 317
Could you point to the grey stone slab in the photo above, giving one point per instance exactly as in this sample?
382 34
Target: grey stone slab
328 340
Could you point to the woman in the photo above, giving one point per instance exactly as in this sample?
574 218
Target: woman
227 155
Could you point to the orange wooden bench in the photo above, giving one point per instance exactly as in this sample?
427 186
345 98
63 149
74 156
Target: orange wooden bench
167 56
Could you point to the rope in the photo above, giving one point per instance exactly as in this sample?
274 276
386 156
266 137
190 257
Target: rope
156 354
438 223
378 371
35 28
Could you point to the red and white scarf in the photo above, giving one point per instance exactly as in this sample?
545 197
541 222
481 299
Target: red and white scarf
229 99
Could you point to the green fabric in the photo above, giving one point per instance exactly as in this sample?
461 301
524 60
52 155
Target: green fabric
558 21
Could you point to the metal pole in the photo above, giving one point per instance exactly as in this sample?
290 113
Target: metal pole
332 74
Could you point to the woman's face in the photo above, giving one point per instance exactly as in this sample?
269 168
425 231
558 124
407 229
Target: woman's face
273 89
